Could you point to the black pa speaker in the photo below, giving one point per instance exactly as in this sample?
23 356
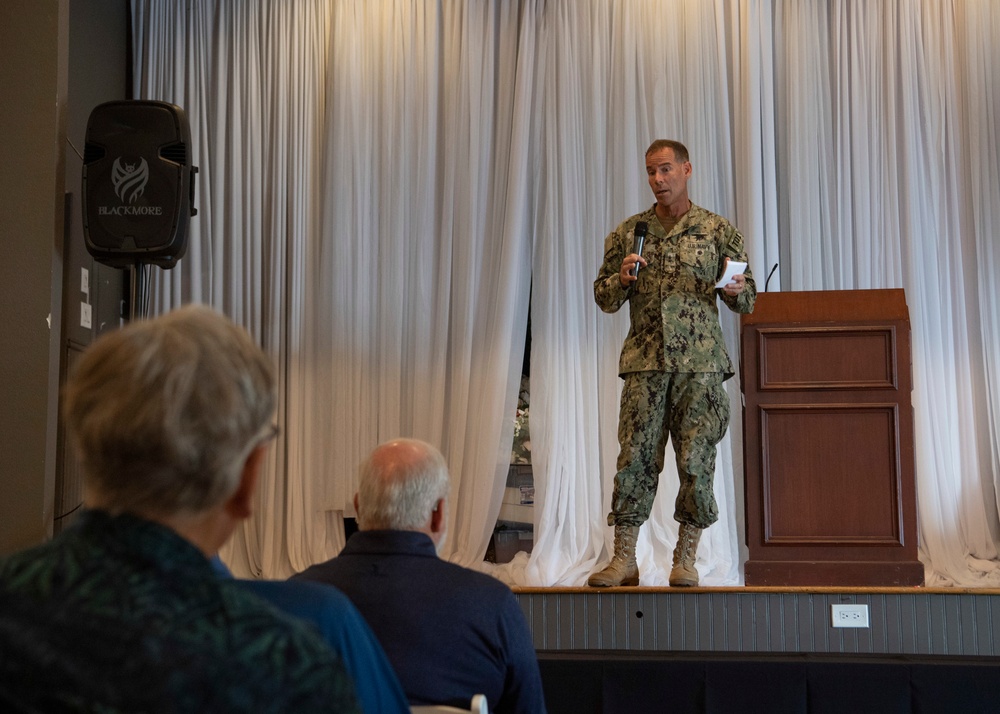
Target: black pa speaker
138 183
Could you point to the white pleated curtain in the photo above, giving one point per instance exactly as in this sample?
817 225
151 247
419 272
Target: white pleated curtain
382 185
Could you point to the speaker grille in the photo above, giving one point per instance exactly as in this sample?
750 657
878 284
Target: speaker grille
175 152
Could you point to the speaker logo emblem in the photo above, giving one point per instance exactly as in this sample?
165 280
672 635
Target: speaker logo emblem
129 179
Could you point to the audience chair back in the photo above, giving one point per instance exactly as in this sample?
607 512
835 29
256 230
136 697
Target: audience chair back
477 706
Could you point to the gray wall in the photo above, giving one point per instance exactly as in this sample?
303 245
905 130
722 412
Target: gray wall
57 59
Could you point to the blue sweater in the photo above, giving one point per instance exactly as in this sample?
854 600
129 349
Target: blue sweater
343 628
449 632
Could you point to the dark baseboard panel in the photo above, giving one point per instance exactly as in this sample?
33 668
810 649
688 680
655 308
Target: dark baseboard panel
615 682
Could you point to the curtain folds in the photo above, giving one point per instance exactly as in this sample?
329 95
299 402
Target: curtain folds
382 187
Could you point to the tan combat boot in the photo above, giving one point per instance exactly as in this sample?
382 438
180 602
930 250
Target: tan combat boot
622 570
683 574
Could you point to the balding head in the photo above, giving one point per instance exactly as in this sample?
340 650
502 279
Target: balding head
401 483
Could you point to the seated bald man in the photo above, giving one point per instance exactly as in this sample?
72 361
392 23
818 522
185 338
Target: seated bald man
450 632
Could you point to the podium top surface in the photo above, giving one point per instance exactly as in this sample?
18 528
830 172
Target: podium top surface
828 306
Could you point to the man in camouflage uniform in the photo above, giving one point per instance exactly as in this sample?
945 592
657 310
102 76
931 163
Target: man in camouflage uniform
674 360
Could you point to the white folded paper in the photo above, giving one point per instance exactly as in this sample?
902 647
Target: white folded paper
733 267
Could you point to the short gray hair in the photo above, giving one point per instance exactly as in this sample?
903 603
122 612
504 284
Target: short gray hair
165 411
400 482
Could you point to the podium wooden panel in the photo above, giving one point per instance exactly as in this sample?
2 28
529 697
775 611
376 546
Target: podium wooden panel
828 440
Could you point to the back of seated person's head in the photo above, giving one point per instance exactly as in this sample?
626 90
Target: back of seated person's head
401 482
165 411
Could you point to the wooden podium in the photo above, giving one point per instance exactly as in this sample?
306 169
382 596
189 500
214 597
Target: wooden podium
828 440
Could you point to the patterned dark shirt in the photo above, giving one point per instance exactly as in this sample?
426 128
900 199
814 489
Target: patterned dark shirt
118 614
672 306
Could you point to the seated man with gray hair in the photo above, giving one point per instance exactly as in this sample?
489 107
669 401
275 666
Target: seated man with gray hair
123 610
450 632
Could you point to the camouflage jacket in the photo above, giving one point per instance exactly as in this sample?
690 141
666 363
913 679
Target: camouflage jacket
672 306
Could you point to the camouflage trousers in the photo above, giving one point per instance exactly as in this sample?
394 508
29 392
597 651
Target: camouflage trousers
692 410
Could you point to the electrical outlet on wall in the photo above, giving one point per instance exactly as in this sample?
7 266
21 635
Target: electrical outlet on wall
849 615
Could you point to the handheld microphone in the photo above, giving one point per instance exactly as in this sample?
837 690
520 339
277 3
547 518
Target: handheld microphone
638 238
